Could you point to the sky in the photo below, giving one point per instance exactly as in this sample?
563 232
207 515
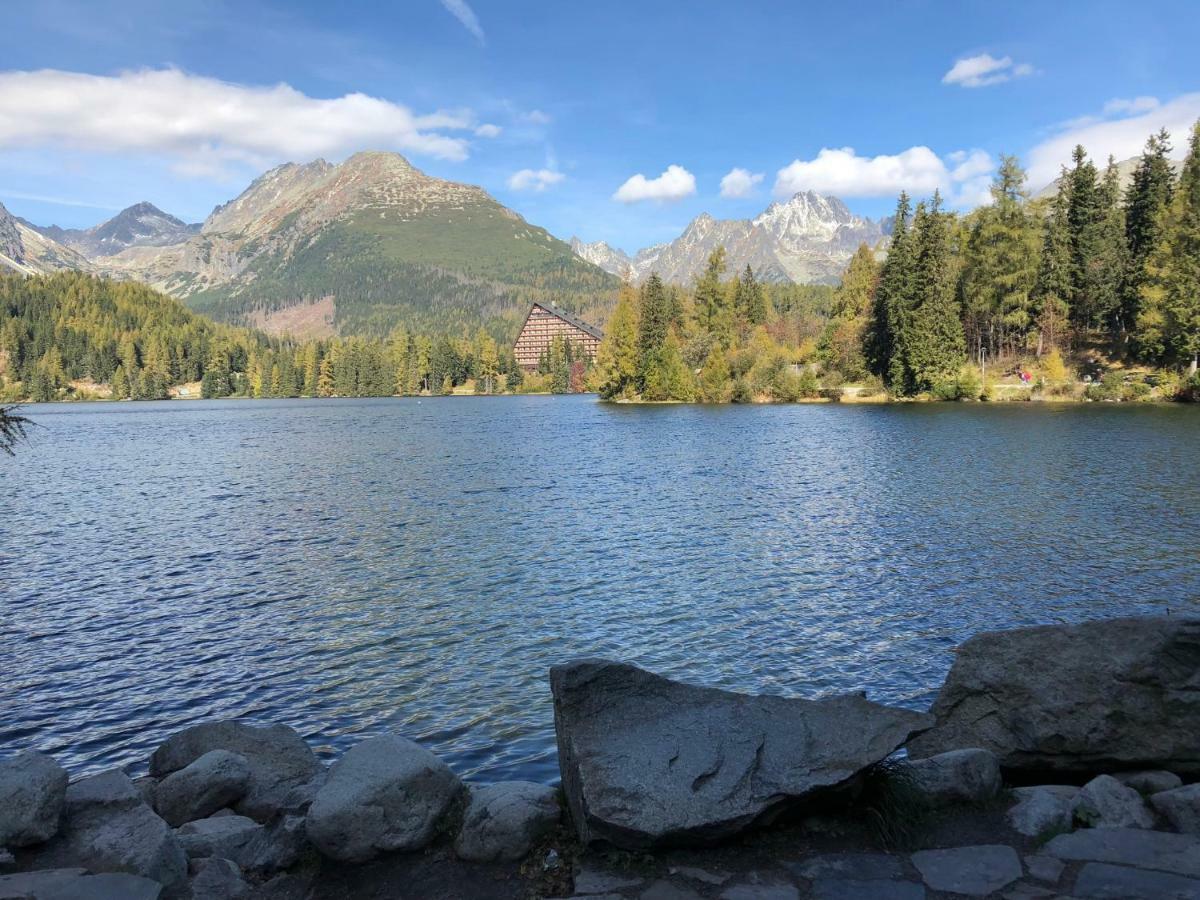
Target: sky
615 121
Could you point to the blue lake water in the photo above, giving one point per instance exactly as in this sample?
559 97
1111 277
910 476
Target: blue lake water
349 567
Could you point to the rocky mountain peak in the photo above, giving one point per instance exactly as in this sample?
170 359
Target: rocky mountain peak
10 237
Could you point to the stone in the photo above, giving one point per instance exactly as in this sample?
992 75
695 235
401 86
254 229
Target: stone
1161 850
975 871
648 762
275 847
1121 883
704 876
77 884
217 879
866 889
298 799
217 779
147 787
107 827
668 890
957 776
6 858
1180 807
1106 803
1149 782
857 866
278 758
1042 811
1044 868
29 884
219 836
1099 696
32 790
597 881
768 891
503 821
386 793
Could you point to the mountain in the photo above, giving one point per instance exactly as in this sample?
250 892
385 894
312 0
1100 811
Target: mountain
364 246
141 225
1125 170
807 239
29 252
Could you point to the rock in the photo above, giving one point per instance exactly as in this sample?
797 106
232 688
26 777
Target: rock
217 879
76 884
647 761
1180 807
278 758
147 787
6 858
975 871
217 779
32 789
958 776
503 821
1112 694
668 890
275 847
1106 803
1161 850
1044 868
702 875
29 884
863 889
1149 782
858 866
595 881
109 828
1043 810
298 799
769 891
220 836
384 794
1121 883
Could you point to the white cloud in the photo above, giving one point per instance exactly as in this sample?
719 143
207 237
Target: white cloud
534 179
673 184
461 11
918 170
1121 138
740 183
203 125
57 201
985 69
536 117
488 130
1121 107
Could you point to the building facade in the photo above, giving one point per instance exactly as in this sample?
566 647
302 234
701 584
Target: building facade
544 323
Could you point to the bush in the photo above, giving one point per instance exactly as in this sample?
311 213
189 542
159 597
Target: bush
788 385
1188 390
964 386
1111 386
741 392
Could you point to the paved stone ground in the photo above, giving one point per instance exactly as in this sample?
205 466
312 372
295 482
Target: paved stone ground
968 852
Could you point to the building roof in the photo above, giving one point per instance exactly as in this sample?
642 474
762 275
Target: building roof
569 318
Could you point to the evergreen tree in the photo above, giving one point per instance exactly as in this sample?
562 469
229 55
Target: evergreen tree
749 300
1107 267
667 376
1053 285
654 322
934 347
616 367
1146 201
882 332
119 384
712 300
1084 214
842 343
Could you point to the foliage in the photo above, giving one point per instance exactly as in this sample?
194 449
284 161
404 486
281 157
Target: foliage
12 429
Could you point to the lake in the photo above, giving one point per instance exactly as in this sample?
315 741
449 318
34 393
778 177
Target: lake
355 566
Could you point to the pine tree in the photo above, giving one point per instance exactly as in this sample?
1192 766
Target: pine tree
934 346
1084 214
841 344
667 376
1053 286
616 367
749 300
1107 266
654 321
1146 201
882 332
712 300
119 384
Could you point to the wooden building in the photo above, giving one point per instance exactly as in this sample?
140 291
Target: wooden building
544 323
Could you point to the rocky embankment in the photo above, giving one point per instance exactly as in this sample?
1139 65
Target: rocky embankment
1056 761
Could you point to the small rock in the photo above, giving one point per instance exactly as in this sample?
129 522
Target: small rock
32 790
298 799
384 794
6 858
1150 781
29 884
1106 803
503 821
219 836
702 875
976 871
217 879
668 890
1178 853
866 889
1180 807
959 776
1044 868
776 891
551 861
857 866
1120 883
274 847
215 780
595 881
1042 810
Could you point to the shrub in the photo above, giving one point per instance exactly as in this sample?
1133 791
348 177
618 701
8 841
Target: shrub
1111 386
964 386
788 385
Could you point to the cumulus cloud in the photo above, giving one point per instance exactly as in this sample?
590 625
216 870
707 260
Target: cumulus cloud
203 125
488 130
534 179
536 117
673 184
918 170
1121 138
461 11
985 69
1122 107
739 183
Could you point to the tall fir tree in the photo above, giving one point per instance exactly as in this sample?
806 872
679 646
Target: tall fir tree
713 311
934 347
616 369
654 321
750 300
842 341
1146 202
1052 289
1084 214
886 312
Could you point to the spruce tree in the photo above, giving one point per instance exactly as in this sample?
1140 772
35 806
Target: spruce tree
654 321
750 301
1175 264
842 341
1146 201
934 346
880 338
711 300
1083 220
1053 285
1107 267
617 357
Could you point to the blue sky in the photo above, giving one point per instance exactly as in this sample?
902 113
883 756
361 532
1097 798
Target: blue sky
615 121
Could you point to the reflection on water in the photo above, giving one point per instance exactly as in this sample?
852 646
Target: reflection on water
353 566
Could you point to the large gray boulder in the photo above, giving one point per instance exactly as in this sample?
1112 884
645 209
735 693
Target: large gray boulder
278 758
647 761
1180 807
77 884
1105 695
108 827
218 836
503 821
1106 803
959 776
217 779
1042 811
384 794
32 789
